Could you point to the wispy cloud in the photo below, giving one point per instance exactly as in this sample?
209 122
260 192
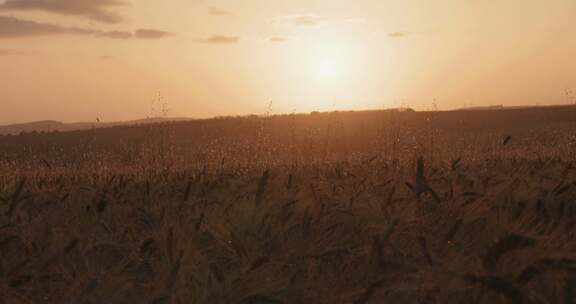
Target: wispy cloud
219 12
312 20
278 39
11 27
115 35
97 10
220 39
138 34
151 34
301 20
12 52
397 34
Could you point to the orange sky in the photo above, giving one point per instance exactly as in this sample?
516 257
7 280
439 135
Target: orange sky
75 60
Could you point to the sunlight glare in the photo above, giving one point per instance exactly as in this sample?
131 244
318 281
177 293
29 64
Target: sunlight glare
327 69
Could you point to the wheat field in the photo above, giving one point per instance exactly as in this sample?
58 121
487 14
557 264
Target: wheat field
341 207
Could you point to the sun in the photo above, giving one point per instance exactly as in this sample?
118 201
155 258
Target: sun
326 74
327 69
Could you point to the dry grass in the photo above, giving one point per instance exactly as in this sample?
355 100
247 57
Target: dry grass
320 216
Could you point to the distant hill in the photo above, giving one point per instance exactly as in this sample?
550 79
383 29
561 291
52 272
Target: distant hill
52 125
494 107
499 110
502 107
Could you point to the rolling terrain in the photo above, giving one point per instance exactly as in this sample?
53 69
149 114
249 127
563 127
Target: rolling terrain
48 126
339 207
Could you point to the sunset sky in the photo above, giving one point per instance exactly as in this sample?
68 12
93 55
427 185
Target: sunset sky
75 60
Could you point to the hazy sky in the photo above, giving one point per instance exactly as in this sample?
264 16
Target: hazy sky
75 60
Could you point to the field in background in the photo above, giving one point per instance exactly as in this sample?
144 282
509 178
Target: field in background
341 207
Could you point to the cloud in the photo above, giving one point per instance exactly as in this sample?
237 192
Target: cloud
219 12
313 20
278 39
220 39
301 20
151 34
139 34
115 35
397 34
97 10
11 27
11 52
